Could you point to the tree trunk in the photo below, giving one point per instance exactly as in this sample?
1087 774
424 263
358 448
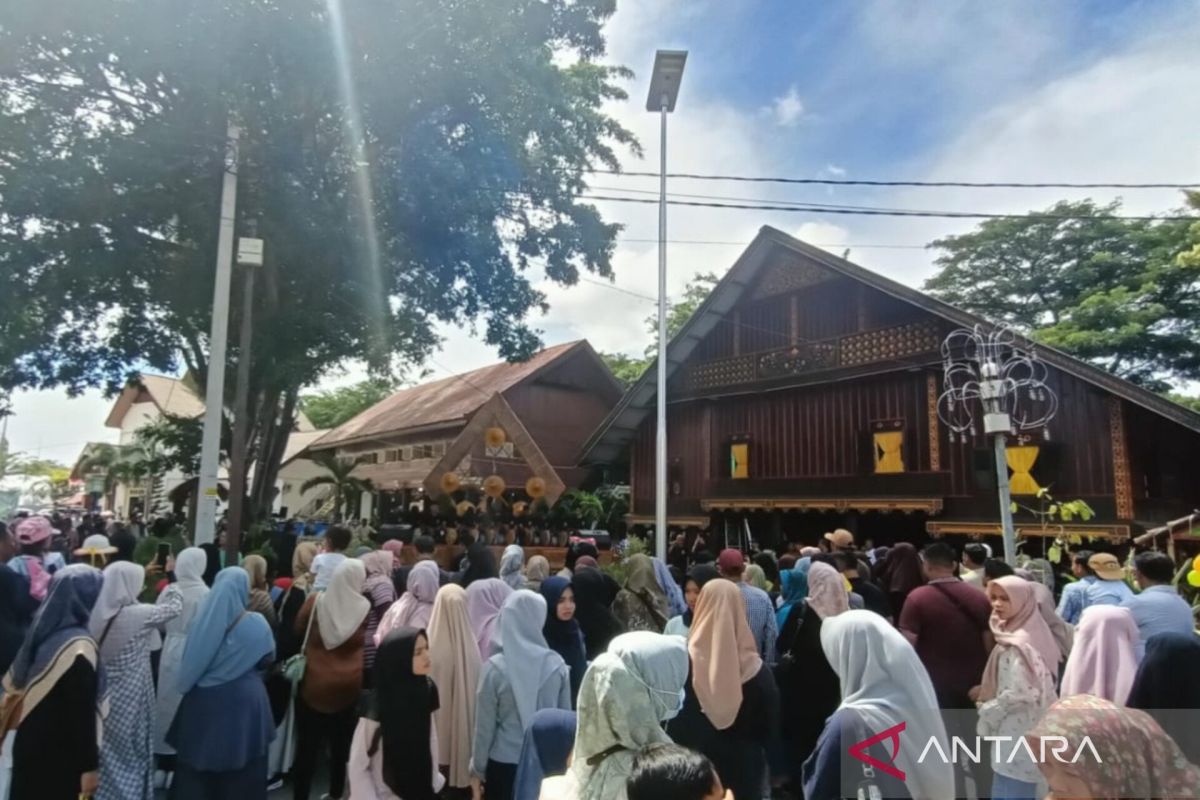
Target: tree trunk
271 450
239 455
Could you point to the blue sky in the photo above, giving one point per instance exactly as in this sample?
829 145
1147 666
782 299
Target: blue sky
874 89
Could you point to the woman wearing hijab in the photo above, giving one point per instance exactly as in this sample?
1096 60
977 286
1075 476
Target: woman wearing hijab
731 709
627 695
536 571
808 686
900 574
287 642
697 577
1134 757
124 630
642 604
1158 686
223 729
53 694
883 685
481 565
456 665
260 589
212 563
189 585
523 677
545 752
593 598
562 630
1064 634
414 609
328 698
1018 682
381 594
393 754
485 598
1103 661
795 590
666 581
511 565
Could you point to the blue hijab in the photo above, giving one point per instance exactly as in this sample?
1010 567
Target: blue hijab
674 594
795 589
564 638
218 650
63 616
548 742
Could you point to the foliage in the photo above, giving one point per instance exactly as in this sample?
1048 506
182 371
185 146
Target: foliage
345 486
386 206
331 408
1187 401
1050 511
142 462
1124 294
619 567
628 369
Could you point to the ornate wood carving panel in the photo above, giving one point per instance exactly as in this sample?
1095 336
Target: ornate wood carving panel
935 438
889 343
1122 483
789 276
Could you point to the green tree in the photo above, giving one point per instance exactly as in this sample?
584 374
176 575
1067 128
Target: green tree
406 163
331 408
628 369
1116 292
345 486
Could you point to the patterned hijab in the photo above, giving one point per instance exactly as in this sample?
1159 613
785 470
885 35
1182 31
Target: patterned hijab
1136 757
511 564
627 693
642 583
827 593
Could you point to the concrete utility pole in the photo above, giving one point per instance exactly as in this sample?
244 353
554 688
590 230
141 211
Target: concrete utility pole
214 395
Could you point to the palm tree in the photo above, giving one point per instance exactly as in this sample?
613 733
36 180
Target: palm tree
130 464
345 486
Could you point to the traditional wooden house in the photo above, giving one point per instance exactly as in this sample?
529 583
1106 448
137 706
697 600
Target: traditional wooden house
544 407
802 396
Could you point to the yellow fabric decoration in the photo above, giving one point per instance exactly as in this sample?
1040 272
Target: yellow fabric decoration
889 456
1021 461
739 461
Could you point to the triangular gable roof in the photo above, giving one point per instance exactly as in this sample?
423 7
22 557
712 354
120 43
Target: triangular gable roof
496 412
614 434
172 396
444 401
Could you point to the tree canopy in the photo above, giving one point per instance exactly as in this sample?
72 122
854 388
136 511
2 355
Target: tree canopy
1121 293
406 163
331 408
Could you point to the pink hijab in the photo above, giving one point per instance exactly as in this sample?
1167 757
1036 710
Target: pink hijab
827 593
416 606
1025 629
1103 661
485 598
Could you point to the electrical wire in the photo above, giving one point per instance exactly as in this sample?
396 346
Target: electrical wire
922 184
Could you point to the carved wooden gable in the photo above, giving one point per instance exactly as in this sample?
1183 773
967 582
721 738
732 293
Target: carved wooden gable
789 275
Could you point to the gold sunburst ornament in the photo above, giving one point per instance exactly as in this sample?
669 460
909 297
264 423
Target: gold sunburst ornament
518 508
451 483
464 507
493 486
494 437
535 488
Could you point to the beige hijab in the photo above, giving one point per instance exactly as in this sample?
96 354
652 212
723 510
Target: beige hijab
342 608
302 558
260 594
456 665
724 655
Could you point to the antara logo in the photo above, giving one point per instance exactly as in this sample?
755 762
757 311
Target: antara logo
892 734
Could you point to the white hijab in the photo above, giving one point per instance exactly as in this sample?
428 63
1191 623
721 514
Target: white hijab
884 681
122 584
341 608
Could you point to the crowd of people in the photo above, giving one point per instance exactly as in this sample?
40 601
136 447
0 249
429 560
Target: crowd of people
699 678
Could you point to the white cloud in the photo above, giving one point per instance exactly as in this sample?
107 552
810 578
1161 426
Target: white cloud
835 171
786 109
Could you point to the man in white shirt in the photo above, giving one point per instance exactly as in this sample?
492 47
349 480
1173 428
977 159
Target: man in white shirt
973 556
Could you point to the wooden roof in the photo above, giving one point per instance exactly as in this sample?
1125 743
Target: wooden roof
443 402
610 440
173 396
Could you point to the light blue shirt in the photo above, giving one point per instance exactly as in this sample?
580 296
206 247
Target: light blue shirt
498 730
1073 602
761 616
1107 593
1159 609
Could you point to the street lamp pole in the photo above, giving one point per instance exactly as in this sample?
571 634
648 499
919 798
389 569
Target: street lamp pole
664 90
214 395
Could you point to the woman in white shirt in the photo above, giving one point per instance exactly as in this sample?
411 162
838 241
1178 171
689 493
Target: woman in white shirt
394 752
1018 684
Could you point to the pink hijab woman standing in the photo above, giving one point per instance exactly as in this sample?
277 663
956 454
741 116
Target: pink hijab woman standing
414 609
1103 661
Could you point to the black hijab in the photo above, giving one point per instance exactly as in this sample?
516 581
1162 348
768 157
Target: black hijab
481 564
564 638
213 565
402 703
593 596
1166 680
699 575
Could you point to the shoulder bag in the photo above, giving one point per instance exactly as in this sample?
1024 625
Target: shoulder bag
294 668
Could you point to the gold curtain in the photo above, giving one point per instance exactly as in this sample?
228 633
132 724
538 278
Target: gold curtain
1021 461
889 456
739 461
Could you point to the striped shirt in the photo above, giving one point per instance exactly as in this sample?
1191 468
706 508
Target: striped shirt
761 614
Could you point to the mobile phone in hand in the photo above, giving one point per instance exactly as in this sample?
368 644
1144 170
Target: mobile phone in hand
164 552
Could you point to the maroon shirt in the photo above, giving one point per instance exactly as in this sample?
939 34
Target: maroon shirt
949 636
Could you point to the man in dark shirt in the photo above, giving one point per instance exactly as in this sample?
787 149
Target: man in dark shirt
874 598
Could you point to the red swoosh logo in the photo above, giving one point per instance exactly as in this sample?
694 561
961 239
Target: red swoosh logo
858 750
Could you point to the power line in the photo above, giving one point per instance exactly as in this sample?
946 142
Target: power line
870 212
923 184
